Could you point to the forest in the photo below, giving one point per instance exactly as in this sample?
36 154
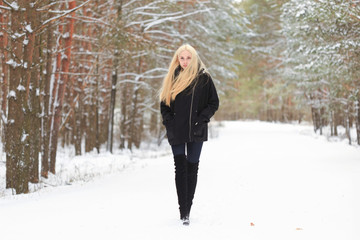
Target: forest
85 74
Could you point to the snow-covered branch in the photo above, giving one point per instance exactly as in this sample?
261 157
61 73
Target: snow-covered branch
64 14
13 5
168 17
129 3
145 74
4 7
45 8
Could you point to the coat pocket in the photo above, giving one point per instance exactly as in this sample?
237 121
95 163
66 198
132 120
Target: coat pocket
200 129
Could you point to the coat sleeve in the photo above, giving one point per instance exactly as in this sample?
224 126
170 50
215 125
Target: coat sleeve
166 112
212 102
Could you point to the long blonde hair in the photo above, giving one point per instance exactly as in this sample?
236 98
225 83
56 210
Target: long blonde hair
173 85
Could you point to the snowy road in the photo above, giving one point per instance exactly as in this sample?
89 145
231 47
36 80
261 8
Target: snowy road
256 181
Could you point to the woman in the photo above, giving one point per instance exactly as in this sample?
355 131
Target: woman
188 100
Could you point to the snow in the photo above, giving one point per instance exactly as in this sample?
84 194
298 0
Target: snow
24 136
256 181
66 35
28 28
21 88
12 94
14 5
300 12
13 63
17 35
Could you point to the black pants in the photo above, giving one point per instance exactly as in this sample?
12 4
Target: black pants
193 150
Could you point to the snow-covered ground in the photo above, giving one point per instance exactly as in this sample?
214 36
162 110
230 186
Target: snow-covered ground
256 181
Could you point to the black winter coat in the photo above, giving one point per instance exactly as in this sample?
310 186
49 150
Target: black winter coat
186 120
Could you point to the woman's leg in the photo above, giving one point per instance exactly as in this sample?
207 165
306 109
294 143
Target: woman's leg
194 151
178 149
181 179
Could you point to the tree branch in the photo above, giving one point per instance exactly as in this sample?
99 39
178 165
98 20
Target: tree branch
5 8
10 7
47 22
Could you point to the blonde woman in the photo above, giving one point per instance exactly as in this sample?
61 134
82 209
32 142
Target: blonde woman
188 100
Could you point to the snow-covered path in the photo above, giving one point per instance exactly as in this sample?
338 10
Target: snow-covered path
256 181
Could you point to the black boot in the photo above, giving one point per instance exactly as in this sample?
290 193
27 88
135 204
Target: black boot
181 185
192 180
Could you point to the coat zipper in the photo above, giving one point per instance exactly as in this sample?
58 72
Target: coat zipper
191 106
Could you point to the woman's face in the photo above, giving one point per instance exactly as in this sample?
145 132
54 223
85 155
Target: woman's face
184 58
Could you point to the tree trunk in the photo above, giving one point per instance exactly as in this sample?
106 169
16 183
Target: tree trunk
35 109
4 74
18 131
61 91
46 118
97 96
15 121
123 117
3 56
112 105
336 121
90 121
347 123
314 118
321 119
54 96
30 103
135 121
118 6
77 129
78 116
154 122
